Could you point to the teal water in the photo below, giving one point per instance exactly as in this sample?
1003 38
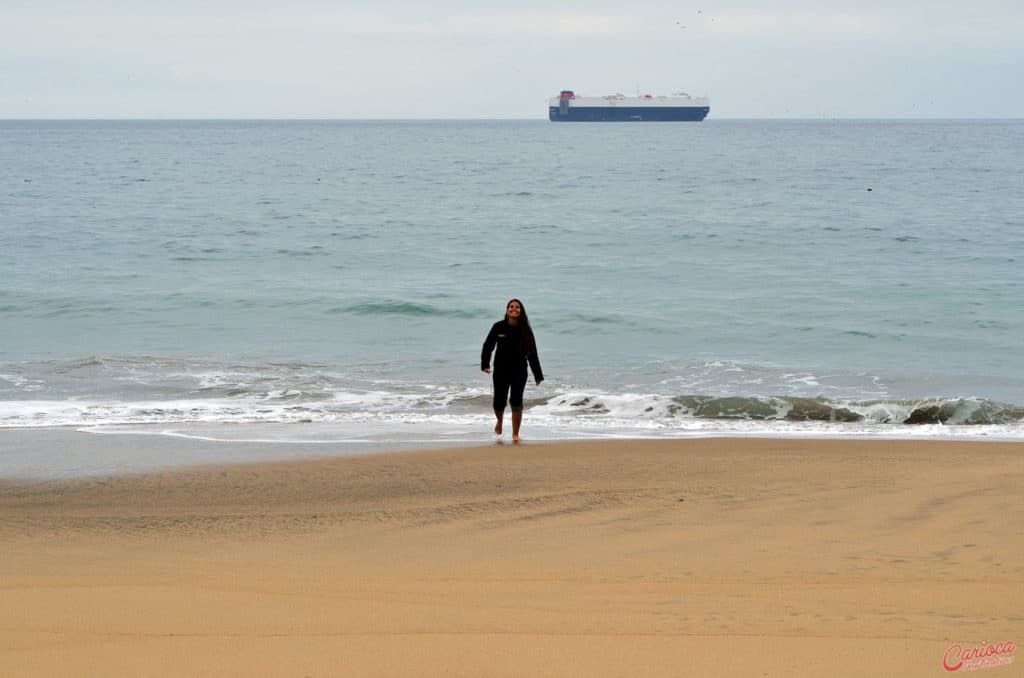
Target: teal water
738 277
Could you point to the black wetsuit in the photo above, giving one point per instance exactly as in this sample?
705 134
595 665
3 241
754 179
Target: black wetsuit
510 362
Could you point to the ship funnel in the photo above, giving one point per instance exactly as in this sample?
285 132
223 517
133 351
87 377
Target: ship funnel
563 102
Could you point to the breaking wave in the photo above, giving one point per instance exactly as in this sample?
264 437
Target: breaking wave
97 390
951 411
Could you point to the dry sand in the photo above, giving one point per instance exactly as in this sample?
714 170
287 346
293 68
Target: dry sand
630 558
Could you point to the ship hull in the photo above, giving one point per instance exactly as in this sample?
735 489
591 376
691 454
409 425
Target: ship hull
629 114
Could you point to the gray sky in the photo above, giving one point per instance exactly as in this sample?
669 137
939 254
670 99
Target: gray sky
462 59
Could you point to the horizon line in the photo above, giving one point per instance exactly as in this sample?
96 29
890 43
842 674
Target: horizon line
467 119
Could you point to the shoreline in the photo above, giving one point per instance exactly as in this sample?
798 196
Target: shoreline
40 454
612 558
43 454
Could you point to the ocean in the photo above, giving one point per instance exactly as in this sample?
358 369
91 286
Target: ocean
331 282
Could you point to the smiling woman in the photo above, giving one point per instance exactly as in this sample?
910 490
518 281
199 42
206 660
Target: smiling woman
516 347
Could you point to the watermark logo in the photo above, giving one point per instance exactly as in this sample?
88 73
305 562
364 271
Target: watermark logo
984 656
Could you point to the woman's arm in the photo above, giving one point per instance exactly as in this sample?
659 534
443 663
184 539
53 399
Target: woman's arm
489 342
534 360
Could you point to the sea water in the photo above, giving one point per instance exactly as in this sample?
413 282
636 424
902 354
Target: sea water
333 281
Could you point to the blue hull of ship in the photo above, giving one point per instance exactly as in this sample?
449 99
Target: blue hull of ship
624 114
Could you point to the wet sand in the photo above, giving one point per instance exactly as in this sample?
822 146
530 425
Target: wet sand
733 557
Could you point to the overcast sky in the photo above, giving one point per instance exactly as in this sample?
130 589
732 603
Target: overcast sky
480 59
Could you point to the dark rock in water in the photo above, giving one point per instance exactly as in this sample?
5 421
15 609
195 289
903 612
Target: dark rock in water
938 413
965 412
923 415
812 409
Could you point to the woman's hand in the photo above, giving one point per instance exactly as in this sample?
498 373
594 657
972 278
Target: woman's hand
538 381
487 370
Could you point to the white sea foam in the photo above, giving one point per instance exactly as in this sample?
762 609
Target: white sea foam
409 428
614 406
288 393
587 411
802 380
23 383
229 432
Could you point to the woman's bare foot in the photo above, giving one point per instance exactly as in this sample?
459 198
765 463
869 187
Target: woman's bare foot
497 429
515 440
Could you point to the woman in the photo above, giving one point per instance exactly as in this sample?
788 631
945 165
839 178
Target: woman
516 347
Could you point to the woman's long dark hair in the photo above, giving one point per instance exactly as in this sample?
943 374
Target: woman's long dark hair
529 343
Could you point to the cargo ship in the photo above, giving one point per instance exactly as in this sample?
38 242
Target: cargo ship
567 107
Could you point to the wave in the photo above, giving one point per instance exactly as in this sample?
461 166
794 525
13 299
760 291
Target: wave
105 389
395 307
949 411
383 416
964 411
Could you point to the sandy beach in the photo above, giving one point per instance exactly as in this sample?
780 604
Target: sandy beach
727 557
